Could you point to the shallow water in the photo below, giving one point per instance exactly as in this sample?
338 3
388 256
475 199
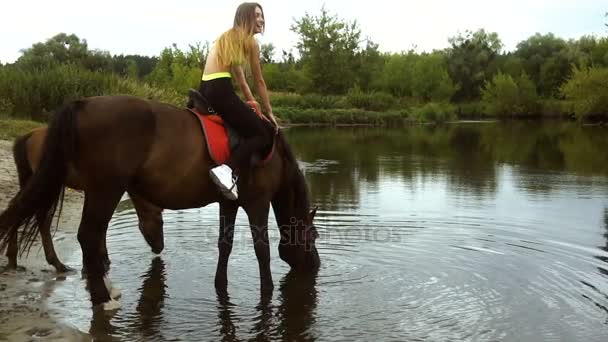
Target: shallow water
477 231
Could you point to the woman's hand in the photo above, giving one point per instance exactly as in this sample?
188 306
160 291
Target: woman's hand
255 105
274 122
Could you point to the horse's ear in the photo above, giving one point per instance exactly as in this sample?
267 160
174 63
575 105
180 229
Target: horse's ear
312 213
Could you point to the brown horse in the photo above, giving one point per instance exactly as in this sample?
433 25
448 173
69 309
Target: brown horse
110 145
26 153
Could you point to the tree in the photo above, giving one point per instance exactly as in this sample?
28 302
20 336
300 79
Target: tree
267 52
588 91
65 49
397 75
178 69
506 96
133 65
327 47
471 61
430 79
368 66
546 61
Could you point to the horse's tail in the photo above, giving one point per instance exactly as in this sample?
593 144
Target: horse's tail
44 189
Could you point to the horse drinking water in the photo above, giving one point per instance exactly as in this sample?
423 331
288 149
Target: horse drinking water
110 145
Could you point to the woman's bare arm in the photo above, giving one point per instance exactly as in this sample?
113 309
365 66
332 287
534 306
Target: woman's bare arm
260 84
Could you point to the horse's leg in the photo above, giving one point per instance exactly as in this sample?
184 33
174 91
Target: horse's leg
97 212
103 247
103 250
150 225
47 244
11 253
150 222
228 210
258 222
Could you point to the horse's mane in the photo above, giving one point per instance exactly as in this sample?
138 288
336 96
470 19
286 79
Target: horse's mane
294 177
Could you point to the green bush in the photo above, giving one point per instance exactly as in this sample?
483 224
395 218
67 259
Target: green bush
587 89
374 101
471 110
141 89
29 93
286 100
505 96
434 112
6 107
286 78
340 116
324 101
308 101
556 108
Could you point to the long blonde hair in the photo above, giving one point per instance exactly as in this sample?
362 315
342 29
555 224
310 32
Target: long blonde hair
234 45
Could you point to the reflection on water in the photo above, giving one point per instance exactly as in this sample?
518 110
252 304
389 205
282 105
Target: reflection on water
289 321
149 317
459 232
467 156
296 315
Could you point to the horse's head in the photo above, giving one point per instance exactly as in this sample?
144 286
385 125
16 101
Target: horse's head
291 207
297 246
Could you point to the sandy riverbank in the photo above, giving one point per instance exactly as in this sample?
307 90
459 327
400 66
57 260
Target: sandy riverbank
24 315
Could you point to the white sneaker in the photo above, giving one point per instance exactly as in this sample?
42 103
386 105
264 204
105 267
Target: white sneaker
222 177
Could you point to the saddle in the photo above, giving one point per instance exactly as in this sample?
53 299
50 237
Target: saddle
221 139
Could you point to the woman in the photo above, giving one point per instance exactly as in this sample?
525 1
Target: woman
230 52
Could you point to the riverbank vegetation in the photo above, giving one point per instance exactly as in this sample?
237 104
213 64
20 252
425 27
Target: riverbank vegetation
336 76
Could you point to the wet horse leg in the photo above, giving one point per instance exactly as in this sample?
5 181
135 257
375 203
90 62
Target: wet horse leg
103 247
258 222
97 212
228 212
47 244
150 222
150 225
11 253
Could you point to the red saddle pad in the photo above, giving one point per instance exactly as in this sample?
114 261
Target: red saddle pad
216 136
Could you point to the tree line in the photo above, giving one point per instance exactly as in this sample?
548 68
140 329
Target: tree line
333 66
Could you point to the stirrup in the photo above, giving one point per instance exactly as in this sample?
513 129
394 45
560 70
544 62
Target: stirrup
234 181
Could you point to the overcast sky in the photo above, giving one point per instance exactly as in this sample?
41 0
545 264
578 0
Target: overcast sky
146 27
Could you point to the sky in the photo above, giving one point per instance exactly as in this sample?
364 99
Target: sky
146 27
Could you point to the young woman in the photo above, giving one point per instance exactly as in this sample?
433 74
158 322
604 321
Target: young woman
233 49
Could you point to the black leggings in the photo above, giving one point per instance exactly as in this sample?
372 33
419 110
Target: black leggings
254 132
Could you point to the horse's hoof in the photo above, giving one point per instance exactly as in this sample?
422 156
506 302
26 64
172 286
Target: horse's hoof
115 293
112 290
61 268
111 305
107 282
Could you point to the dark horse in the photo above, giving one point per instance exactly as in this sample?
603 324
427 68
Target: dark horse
27 150
110 145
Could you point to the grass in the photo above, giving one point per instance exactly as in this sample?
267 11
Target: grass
12 128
